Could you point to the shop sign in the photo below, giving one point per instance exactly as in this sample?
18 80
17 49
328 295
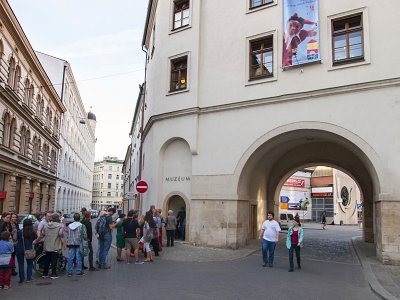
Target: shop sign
294 182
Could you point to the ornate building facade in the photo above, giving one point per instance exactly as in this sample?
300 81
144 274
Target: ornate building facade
30 114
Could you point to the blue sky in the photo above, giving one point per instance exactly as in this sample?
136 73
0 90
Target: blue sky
98 38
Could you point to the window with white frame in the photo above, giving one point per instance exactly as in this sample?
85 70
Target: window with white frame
347 39
261 58
181 13
259 3
178 74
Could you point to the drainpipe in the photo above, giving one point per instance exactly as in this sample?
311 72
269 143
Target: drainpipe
143 93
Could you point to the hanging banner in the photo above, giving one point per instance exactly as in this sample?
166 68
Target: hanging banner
300 32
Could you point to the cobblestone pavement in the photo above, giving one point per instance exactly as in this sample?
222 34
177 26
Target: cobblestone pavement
191 272
333 245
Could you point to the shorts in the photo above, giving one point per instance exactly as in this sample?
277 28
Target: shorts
131 243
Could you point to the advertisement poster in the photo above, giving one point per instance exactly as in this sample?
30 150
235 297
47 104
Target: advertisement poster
300 32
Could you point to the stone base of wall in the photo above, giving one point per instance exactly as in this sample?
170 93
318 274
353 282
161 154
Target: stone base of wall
216 223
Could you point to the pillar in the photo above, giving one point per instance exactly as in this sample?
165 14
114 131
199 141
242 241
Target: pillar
36 196
44 199
51 197
10 187
24 197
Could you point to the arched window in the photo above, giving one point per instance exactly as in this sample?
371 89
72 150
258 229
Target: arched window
36 148
6 129
53 159
27 141
17 78
30 97
55 125
38 106
23 140
48 117
26 91
45 159
11 71
13 128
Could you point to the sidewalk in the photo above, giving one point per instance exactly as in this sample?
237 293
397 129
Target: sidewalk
183 251
384 280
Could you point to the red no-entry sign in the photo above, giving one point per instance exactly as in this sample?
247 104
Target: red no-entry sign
141 186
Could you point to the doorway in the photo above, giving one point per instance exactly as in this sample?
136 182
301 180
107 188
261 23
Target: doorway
177 204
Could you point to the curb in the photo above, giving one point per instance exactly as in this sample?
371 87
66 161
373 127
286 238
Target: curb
373 282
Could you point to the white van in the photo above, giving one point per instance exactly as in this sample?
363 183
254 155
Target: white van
285 220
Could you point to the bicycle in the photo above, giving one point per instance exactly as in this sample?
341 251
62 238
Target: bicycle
40 259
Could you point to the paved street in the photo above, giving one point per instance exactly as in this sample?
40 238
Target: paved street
330 271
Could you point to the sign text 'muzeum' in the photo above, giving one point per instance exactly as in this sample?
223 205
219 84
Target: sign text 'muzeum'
177 178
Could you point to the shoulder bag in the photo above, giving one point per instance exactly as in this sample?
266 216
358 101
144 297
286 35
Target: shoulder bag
29 254
84 245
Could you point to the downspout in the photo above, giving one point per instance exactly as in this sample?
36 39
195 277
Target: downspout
143 93
57 204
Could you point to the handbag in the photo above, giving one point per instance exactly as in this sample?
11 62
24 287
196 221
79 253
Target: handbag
84 245
149 234
30 253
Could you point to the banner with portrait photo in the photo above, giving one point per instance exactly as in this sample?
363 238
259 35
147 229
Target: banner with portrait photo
300 32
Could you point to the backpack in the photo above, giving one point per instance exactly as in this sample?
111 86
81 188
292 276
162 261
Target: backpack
101 226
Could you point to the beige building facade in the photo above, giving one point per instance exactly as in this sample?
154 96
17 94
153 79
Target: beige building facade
108 182
30 114
226 123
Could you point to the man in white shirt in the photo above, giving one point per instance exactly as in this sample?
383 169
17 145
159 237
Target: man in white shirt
46 219
269 236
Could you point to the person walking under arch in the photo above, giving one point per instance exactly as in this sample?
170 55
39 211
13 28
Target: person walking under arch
323 219
294 241
269 237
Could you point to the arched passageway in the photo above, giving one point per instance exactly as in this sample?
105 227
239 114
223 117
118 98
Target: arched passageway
273 160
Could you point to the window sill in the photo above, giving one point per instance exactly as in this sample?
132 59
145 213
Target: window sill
180 29
171 93
254 81
6 149
349 64
23 157
35 163
261 7
27 108
40 121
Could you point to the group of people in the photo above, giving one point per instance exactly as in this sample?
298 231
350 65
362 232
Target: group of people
144 232
269 236
50 236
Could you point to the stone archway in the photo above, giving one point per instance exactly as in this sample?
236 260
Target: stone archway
273 158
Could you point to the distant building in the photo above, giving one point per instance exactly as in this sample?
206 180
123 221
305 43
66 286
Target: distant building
30 114
108 183
311 191
76 158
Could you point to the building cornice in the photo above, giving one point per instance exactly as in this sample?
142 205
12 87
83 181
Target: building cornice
25 169
318 93
10 21
148 26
